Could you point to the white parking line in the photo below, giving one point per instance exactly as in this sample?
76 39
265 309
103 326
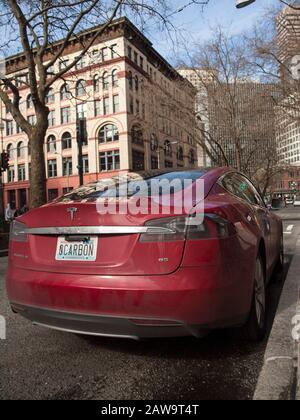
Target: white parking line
289 230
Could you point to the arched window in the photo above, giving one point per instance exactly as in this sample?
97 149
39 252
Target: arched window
21 150
96 83
10 151
29 149
114 77
180 153
105 81
108 133
80 88
154 143
192 158
66 141
50 97
136 83
51 144
168 148
130 80
64 92
29 102
137 135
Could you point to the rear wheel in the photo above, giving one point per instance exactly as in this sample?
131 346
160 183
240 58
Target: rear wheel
255 329
280 261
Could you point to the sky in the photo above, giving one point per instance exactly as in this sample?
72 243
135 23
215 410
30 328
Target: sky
197 23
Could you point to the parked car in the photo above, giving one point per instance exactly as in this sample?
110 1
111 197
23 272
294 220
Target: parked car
278 203
289 201
297 202
148 275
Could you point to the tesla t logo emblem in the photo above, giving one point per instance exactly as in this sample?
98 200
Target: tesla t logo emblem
72 212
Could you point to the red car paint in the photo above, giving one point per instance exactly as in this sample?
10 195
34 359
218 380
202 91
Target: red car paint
144 289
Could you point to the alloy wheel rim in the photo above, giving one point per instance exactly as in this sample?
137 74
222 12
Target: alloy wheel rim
260 295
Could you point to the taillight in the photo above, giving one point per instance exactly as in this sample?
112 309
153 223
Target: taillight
18 232
210 226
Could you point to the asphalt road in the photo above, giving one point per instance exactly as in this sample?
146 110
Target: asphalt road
37 363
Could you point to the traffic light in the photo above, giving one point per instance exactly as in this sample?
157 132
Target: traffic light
4 161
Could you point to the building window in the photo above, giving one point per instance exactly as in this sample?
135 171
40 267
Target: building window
136 57
130 80
105 81
31 119
131 107
116 106
180 154
9 128
65 115
10 151
138 160
168 164
11 174
85 164
129 53
114 53
29 102
67 190
192 159
52 194
142 63
65 93
52 168
51 144
108 133
106 106
80 64
97 107
104 54
153 143
50 96
63 65
21 173
96 84
154 162
21 150
81 111
168 148
51 118
110 161
80 88
114 77
137 135
67 166
136 79
137 107
66 141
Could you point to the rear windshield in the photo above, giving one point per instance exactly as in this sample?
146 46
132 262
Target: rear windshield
128 185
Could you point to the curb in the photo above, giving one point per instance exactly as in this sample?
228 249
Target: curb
278 378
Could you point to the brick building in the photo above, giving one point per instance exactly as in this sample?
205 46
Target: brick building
139 112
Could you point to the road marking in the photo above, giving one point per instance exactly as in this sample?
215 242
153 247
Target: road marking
289 230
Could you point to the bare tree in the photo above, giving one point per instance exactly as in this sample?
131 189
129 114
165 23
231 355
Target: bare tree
43 31
235 112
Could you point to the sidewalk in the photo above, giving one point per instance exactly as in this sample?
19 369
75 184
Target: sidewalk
280 375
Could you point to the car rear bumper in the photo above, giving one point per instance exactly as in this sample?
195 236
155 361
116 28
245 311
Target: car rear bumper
188 302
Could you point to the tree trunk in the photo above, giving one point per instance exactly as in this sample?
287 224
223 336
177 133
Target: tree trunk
38 194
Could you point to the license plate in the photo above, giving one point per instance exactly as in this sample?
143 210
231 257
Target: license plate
77 251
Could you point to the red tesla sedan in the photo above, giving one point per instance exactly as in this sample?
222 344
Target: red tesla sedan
132 274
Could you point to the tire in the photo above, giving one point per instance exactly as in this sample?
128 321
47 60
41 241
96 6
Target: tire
255 329
280 261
